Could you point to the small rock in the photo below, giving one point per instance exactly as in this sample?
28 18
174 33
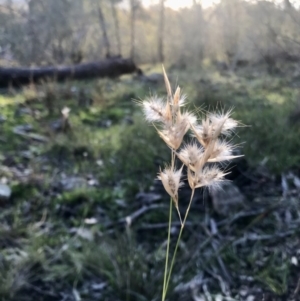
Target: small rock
3 180
99 163
83 233
99 286
243 293
294 261
228 199
73 183
93 182
5 192
90 221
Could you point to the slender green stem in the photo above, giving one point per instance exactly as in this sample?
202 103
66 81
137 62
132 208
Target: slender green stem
169 235
167 251
179 215
177 243
130 252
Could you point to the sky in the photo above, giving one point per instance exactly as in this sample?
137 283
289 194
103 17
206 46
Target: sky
177 4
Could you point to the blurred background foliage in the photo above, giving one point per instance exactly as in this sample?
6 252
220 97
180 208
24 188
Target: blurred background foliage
81 216
41 32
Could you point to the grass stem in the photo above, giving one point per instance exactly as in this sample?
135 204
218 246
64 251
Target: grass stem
177 243
169 235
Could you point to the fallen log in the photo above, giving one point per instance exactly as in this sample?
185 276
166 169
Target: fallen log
112 67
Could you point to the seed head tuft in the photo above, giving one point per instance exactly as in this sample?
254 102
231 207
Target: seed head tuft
222 151
210 177
170 179
173 135
224 119
190 155
154 109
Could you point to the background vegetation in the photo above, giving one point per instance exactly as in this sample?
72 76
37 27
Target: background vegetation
40 32
81 215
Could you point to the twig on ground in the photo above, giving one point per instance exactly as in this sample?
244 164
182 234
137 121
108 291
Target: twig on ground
133 216
297 289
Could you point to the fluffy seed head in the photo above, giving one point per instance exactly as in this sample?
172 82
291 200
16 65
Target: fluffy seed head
170 179
177 102
228 124
189 117
173 135
202 132
173 124
155 110
212 126
190 155
222 151
210 177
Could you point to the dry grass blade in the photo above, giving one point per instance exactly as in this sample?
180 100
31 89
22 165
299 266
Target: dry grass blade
167 83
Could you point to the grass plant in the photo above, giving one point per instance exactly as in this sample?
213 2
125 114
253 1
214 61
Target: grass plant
208 147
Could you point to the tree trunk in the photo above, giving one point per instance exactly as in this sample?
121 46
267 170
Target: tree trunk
133 6
117 27
199 29
32 32
104 32
16 77
161 32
